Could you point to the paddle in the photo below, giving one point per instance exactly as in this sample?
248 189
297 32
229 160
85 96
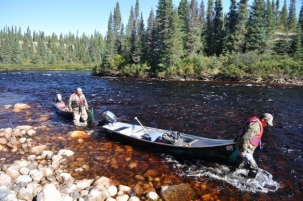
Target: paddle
140 124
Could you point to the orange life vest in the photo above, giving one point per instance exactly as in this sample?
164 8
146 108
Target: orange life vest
255 140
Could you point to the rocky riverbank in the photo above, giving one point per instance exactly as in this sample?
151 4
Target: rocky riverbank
42 174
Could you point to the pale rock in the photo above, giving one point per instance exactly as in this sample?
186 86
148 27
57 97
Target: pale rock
17 133
24 127
8 133
66 198
3 141
152 196
20 106
48 171
82 184
24 171
65 178
6 194
47 154
102 181
31 132
36 175
120 193
49 193
133 198
31 157
21 163
6 180
122 197
25 194
37 149
97 194
56 158
112 190
125 189
22 140
13 172
14 144
24 179
67 188
65 152
110 199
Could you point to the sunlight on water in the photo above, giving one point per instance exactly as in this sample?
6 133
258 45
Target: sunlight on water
263 182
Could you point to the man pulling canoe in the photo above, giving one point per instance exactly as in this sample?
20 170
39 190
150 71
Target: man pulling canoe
248 139
78 105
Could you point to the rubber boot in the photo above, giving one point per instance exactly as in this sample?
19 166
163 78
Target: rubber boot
252 173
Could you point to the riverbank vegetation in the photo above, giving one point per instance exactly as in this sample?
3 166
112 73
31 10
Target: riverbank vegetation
192 40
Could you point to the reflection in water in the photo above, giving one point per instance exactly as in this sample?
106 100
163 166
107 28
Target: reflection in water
214 110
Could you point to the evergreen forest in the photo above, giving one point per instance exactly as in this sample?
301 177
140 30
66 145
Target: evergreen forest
262 41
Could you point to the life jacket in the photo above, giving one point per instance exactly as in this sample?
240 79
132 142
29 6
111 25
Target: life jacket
79 98
255 140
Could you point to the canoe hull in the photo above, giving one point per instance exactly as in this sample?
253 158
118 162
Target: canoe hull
223 151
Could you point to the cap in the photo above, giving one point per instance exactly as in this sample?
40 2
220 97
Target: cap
79 90
268 118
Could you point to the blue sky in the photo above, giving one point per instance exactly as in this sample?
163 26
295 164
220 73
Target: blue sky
64 16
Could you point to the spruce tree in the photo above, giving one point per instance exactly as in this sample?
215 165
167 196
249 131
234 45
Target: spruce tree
292 20
257 38
300 21
209 31
218 28
184 13
193 39
283 18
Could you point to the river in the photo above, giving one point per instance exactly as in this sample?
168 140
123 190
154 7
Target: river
207 109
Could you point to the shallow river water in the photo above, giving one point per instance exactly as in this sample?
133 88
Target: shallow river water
208 109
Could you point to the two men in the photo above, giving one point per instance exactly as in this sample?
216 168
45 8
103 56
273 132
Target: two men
78 105
249 138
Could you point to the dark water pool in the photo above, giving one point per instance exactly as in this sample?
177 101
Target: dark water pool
208 109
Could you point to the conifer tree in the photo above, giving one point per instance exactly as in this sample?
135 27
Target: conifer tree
218 28
193 39
110 41
283 17
257 38
292 20
150 40
300 21
117 19
184 13
270 18
209 35
230 45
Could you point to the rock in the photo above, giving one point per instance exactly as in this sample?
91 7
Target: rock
6 180
97 194
14 144
6 194
36 175
20 106
110 199
46 154
37 149
13 172
22 140
79 135
24 171
112 190
31 157
25 194
124 189
66 198
122 197
65 178
152 196
177 192
82 184
102 181
23 178
49 193
134 198
65 152
24 127
68 189
48 171
3 141
31 132
21 163
56 158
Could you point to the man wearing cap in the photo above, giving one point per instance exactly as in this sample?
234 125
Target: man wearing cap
249 138
78 105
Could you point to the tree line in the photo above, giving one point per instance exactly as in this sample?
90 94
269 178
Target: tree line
193 40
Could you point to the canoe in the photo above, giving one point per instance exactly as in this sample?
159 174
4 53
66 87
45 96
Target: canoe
169 142
63 110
